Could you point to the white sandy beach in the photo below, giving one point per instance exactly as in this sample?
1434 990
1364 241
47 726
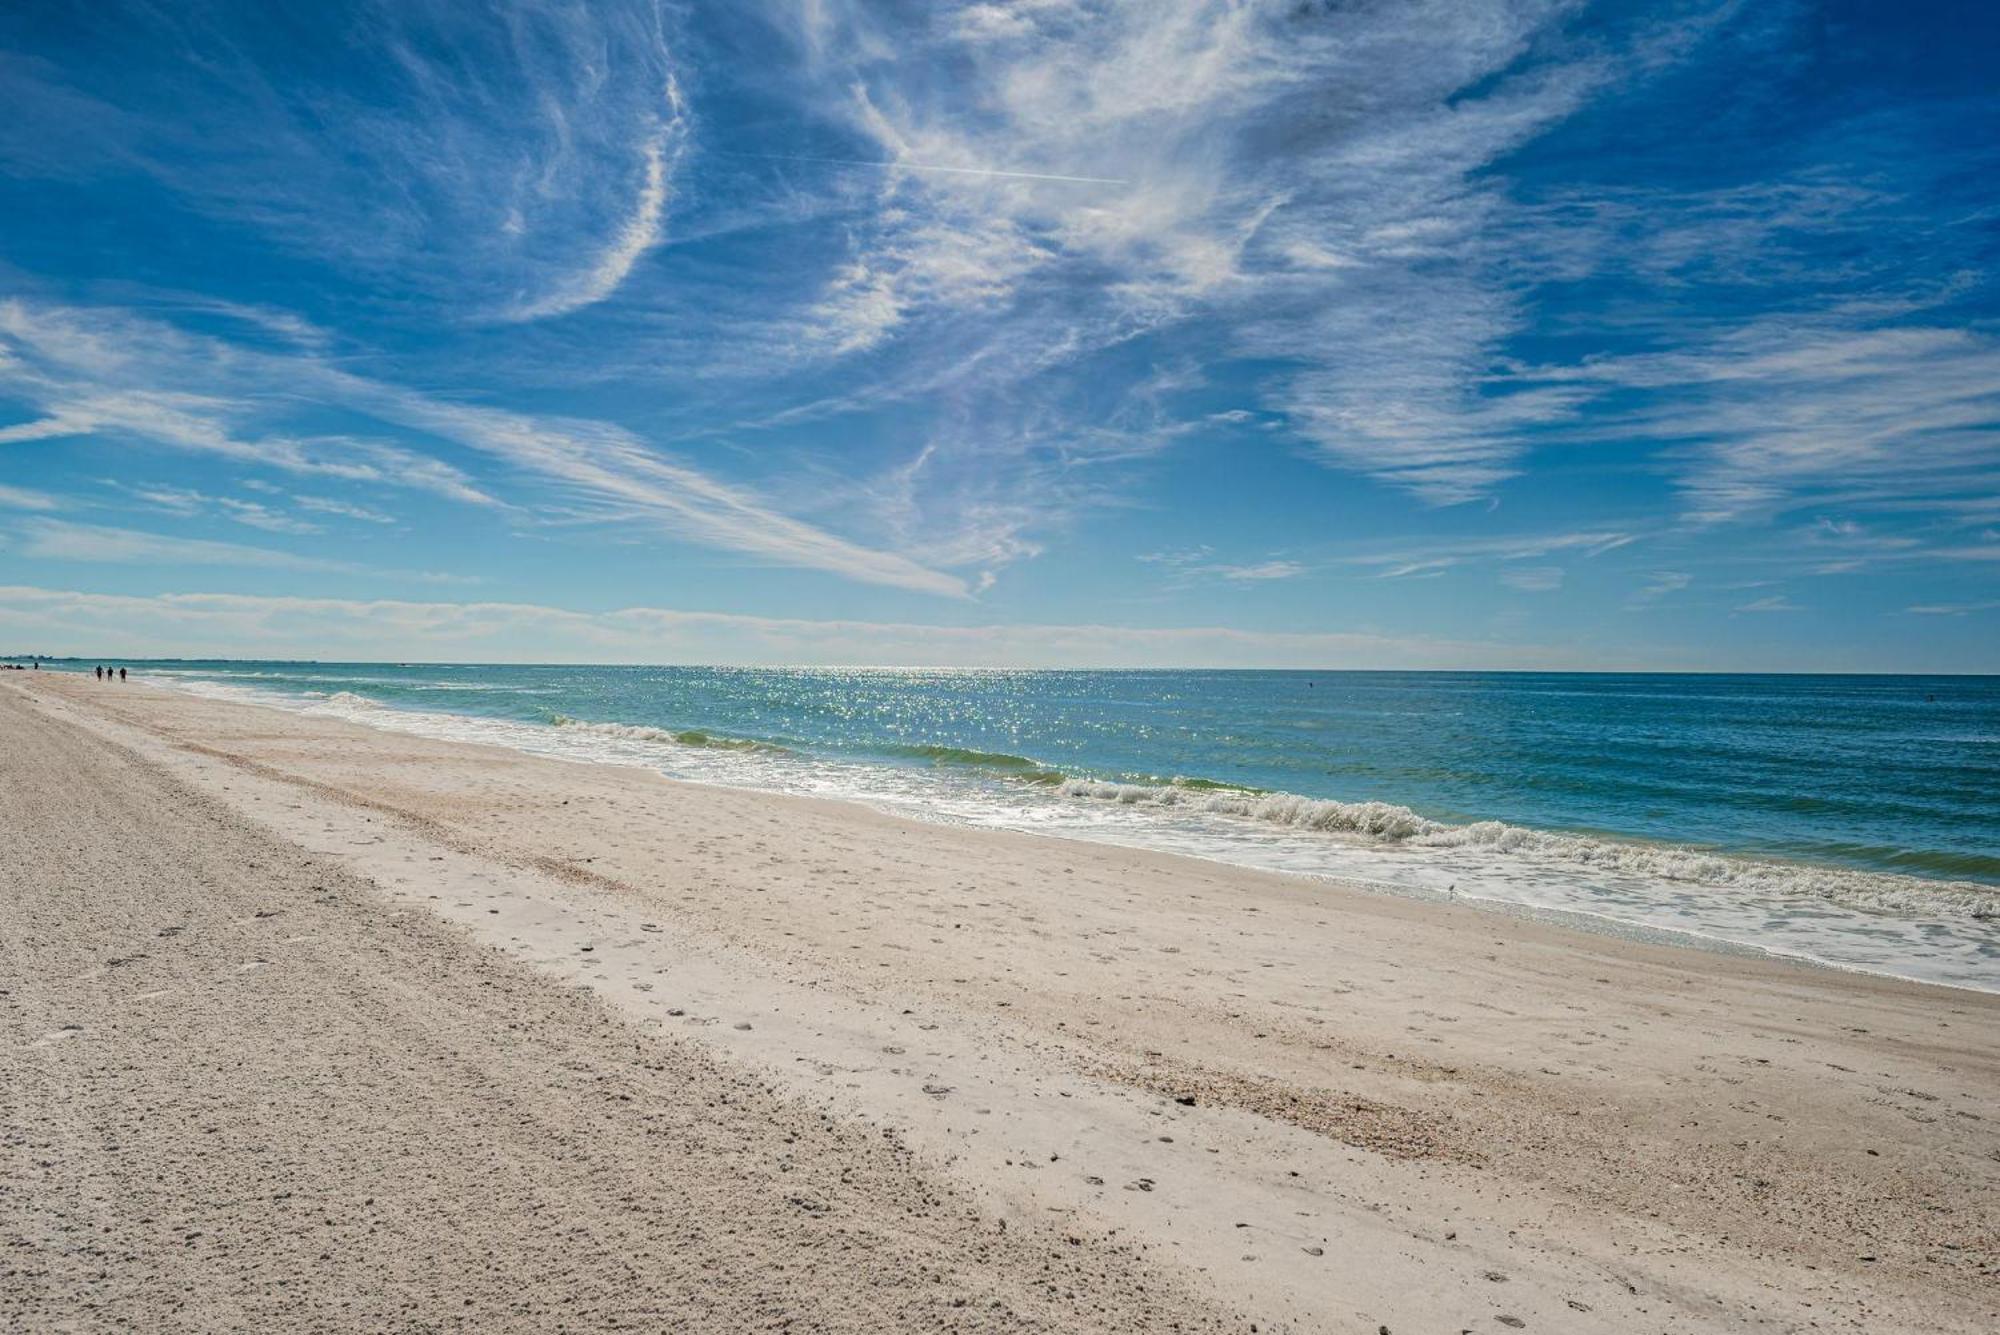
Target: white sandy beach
313 1026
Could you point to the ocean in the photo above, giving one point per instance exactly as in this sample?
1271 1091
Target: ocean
1849 820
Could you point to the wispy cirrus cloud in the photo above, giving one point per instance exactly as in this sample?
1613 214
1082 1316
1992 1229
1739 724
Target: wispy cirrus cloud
1309 180
610 463
26 498
1533 579
1953 609
1190 565
1659 585
103 372
213 424
513 157
919 292
641 231
1325 192
327 505
1784 414
66 423
59 540
189 503
1402 561
1262 571
102 544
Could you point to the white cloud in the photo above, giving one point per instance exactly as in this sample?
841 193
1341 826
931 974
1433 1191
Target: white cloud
1775 603
1533 579
607 462
57 540
21 498
1430 569
1782 414
489 148
1319 187
105 372
1196 564
1263 570
1660 584
1310 180
642 229
1177 556
1952 609
1311 189
1435 558
235 625
327 505
259 515
1914 422
999 20
48 428
186 502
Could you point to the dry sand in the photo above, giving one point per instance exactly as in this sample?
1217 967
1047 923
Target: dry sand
535 1045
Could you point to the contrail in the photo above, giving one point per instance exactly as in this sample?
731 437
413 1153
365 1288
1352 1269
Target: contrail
925 167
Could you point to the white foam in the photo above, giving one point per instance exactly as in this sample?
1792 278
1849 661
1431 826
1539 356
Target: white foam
1388 823
626 731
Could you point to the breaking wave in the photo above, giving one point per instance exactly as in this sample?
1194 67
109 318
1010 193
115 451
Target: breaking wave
682 737
1388 823
1000 762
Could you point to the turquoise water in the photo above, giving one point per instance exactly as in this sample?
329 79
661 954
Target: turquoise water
1854 820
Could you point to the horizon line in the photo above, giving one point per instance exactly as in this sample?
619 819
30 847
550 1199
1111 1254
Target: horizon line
950 667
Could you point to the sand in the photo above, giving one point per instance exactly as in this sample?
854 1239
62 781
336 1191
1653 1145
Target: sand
535 1045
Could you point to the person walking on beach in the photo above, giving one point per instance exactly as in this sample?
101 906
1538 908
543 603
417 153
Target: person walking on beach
121 674
100 674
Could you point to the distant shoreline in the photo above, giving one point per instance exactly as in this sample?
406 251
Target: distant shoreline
86 660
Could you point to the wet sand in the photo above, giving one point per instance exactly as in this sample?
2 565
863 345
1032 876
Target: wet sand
524 1043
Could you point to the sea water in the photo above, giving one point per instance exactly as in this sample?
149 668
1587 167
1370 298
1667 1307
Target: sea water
1850 820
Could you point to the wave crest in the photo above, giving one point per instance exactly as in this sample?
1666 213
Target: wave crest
685 737
1387 822
1012 766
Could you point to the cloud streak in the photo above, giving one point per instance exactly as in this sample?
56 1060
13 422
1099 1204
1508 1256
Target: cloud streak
453 157
201 624
57 540
641 232
1781 414
24 498
103 372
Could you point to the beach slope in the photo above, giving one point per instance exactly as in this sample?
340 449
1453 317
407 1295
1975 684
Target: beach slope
242 1091
520 1037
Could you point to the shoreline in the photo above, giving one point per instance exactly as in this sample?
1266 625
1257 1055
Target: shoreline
1544 869
1427 1093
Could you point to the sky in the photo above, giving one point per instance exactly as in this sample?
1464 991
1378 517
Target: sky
1318 333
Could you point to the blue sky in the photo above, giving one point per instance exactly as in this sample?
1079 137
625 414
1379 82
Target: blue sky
1320 333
